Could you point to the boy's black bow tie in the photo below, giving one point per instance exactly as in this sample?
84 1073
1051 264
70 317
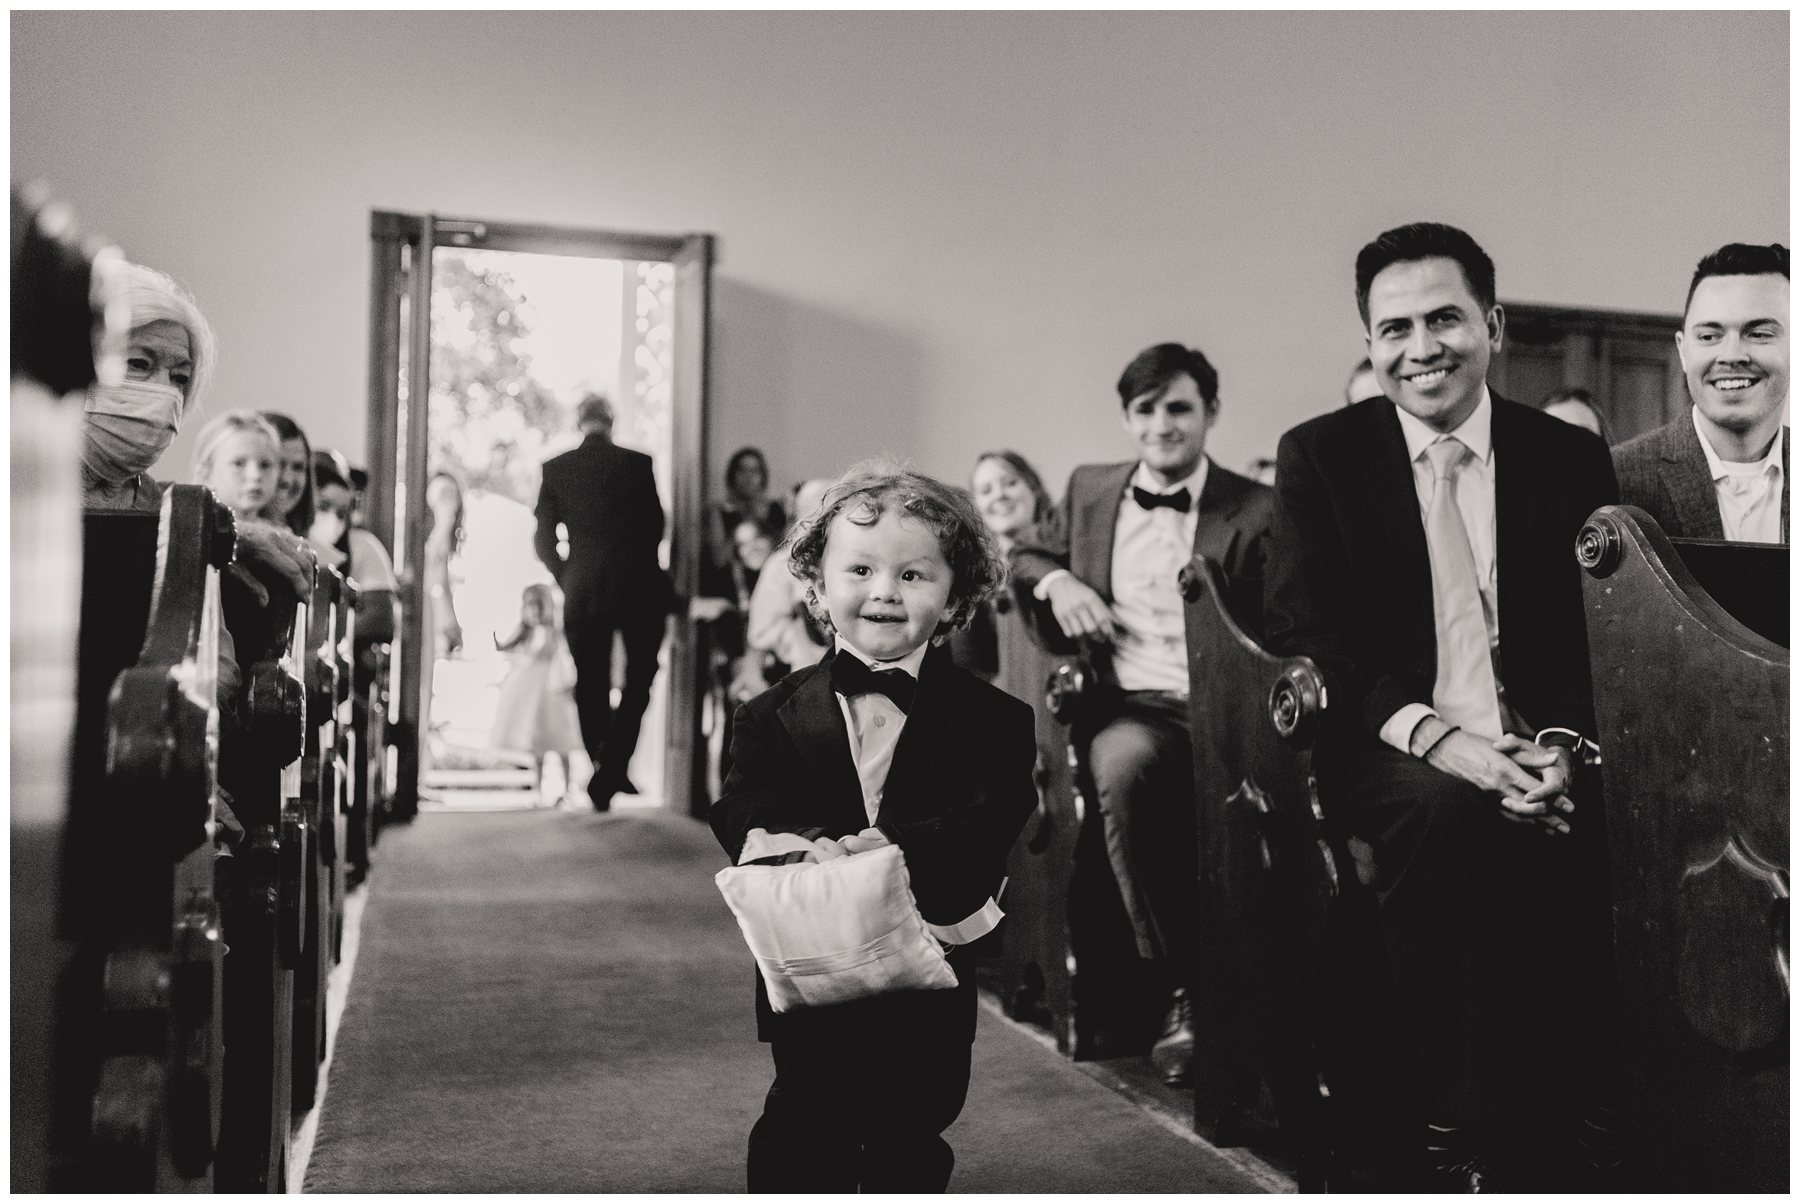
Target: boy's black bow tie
1179 500
850 677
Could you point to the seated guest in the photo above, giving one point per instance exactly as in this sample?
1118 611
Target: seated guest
293 500
169 360
1103 565
351 550
778 621
746 500
1362 384
1576 407
1453 703
1720 472
1010 496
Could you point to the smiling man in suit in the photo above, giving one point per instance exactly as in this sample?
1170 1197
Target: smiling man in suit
1422 555
1101 569
1720 472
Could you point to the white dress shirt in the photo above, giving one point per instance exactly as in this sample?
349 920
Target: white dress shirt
874 724
1149 549
1474 488
1749 494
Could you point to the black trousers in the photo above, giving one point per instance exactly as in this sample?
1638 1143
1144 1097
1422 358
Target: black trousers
842 1117
611 736
1142 762
1498 935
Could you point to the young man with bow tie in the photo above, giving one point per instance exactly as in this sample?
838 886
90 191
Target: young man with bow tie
1101 570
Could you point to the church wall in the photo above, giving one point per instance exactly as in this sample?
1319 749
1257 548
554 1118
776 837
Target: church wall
939 233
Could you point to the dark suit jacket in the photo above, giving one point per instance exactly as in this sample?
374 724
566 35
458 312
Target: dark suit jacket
1665 473
606 496
1077 535
1349 580
957 794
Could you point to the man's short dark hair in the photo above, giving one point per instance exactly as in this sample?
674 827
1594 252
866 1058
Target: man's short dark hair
1424 240
1739 259
1156 366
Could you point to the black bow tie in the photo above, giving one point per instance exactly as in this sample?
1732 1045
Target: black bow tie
1178 501
850 677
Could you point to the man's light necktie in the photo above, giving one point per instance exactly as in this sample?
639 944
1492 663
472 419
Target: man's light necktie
1466 692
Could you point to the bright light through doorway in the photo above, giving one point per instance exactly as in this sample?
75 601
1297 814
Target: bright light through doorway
517 340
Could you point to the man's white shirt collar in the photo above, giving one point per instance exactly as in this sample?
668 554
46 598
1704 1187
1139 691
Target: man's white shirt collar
1146 480
910 662
1476 432
1719 468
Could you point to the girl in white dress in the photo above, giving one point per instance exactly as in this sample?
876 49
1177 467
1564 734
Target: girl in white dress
537 700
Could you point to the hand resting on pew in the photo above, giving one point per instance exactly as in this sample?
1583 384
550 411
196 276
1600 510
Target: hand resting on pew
279 549
1079 608
1528 780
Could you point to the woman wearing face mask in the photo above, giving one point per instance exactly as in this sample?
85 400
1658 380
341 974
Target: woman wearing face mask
351 550
294 494
169 359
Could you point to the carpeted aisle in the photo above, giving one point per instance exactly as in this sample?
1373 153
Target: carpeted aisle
560 1001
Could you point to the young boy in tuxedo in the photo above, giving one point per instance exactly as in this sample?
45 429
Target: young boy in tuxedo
885 741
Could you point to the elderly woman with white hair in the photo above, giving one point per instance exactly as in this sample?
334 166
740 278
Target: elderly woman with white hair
170 355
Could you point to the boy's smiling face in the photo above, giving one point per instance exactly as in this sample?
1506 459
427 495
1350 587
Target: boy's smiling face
885 585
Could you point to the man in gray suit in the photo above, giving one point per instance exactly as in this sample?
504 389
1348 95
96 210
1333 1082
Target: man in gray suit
1720 472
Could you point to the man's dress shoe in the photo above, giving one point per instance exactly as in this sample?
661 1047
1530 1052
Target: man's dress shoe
1173 1053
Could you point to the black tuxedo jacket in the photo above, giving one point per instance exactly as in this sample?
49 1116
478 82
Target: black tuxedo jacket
1349 581
1077 535
957 794
606 496
1665 472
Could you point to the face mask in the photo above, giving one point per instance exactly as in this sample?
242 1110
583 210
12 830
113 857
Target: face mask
327 529
129 426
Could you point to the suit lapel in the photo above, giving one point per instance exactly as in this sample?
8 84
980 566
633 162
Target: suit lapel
923 741
1515 511
815 723
1688 479
1220 499
1784 484
1096 522
1394 505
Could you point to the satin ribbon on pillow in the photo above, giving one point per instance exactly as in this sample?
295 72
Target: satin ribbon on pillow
760 844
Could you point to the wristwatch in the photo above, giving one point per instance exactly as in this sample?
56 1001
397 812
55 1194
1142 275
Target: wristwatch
1585 750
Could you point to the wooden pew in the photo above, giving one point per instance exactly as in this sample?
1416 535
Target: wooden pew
1068 958
323 774
1292 978
1691 701
372 634
259 764
139 1080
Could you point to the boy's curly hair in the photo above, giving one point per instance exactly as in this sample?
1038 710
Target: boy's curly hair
864 494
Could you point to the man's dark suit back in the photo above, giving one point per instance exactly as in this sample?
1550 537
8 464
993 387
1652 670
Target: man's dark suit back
1349 576
606 496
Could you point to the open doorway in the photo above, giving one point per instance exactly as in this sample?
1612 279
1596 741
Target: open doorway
522 323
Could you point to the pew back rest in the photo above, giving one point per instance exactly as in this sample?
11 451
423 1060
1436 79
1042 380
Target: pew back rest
140 889
1691 708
